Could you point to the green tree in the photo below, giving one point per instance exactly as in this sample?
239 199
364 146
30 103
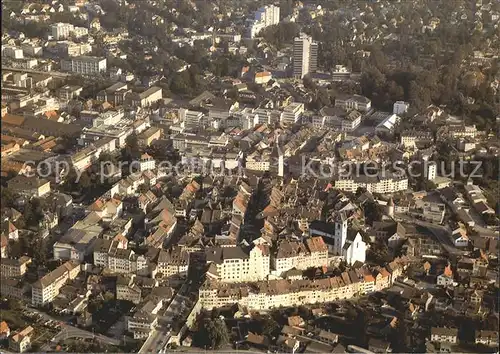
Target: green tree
70 180
399 337
286 8
95 304
372 212
20 223
14 304
107 157
280 34
108 296
40 252
143 188
269 326
372 82
67 143
181 84
378 253
7 197
428 185
131 151
360 191
15 249
33 212
211 334
85 182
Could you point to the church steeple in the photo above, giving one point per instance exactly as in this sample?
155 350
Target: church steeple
390 208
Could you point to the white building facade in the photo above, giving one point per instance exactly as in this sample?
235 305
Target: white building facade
84 65
305 52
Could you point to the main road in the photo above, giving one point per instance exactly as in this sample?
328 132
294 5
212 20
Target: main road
68 331
222 350
73 332
442 233
39 72
156 342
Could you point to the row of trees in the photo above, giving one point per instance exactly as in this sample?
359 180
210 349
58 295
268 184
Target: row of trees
32 209
419 67
31 244
281 34
448 85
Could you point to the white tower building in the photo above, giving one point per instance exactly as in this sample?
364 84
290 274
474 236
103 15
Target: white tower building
390 208
281 160
400 107
340 235
431 168
281 165
305 55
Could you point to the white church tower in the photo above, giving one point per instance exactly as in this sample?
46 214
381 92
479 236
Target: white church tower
281 159
340 233
390 208
281 164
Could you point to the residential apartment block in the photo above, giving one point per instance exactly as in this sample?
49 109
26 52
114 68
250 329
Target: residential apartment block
265 16
389 184
234 264
146 98
174 261
30 186
112 255
47 288
337 118
64 30
410 138
444 335
313 252
84 65
357 102
305 56
115 94
21 341
13 268
292 113
267 295
148 136
488 338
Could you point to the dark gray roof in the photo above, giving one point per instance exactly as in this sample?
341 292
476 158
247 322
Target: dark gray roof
351 235
175 255
219 254
322 226
378 343
448 193
353 276
202 97
441 331
339 348
102 245
318 347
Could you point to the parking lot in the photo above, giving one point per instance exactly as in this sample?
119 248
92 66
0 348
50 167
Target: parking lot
44 329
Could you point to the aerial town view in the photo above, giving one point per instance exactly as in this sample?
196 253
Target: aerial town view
260 176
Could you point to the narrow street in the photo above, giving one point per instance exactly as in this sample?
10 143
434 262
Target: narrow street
68 331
